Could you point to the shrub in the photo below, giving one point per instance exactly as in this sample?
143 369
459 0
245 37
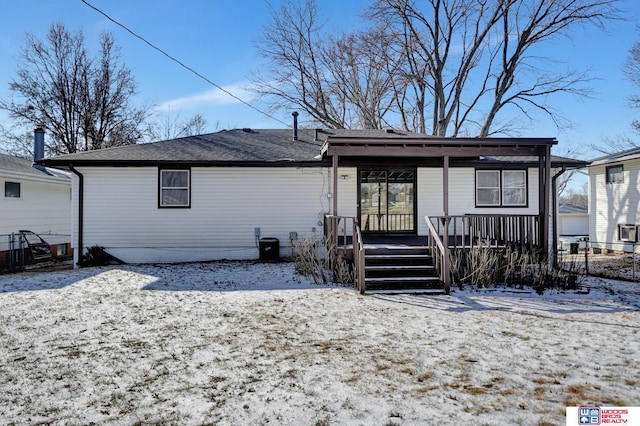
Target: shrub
95 256
309 261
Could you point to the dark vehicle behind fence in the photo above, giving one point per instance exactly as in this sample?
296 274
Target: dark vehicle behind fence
27 248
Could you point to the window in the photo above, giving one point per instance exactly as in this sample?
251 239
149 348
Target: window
514 188
614 174
175 188
488 188
501 188
12 189
627 233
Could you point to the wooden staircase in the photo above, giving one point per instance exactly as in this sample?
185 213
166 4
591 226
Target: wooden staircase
393 268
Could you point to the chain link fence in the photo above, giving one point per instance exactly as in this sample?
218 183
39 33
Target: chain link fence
618 260
21 249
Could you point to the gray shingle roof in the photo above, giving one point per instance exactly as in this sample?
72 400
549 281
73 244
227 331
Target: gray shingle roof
240 146
571 209
10 164
628 154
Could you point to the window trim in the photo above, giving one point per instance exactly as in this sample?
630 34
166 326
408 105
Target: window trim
161 188
501 204
633 232
608 178
19 184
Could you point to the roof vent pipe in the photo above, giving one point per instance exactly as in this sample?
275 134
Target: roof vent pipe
38 146
295 125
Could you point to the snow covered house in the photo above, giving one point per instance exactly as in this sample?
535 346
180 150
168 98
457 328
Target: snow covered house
218 195
614 201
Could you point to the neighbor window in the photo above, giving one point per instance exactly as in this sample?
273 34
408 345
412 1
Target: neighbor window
175 188
628 233
614 174
501 188
12 189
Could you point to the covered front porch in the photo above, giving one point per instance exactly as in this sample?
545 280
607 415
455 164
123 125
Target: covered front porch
422 263
408 215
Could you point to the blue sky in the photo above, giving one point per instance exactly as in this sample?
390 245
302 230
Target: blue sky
216 38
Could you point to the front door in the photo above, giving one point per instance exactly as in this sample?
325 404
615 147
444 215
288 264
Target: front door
387 201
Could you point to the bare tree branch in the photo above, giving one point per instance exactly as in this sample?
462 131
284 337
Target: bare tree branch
82 102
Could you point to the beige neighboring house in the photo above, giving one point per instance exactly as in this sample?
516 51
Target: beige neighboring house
614 201
34 198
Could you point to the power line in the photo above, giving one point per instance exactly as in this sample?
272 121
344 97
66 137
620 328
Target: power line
182 64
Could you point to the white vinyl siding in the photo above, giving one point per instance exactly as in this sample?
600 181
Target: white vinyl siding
611 205
462 195
43 207
121 208
121 211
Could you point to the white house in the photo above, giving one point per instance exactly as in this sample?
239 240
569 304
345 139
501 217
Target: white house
34 197
614 200
215 196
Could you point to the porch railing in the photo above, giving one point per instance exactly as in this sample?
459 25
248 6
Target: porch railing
339 229
440 255
467 231
387 222
475 231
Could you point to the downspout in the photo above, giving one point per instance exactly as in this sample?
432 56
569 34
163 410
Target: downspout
80 212
554 194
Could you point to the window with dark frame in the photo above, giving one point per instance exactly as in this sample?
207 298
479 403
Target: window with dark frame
615 174
501 188
628 233
12 189
175 188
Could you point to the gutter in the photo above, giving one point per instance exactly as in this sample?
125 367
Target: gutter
80 212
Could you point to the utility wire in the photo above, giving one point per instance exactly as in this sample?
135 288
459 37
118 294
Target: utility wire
182 64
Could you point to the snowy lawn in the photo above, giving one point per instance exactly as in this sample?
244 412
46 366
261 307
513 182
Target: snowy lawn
237 343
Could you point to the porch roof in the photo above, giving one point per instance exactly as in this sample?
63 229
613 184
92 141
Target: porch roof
430 147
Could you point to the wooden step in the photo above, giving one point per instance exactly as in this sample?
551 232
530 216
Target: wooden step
400 268
399 283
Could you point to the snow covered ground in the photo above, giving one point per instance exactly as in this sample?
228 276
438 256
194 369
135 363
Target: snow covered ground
238 343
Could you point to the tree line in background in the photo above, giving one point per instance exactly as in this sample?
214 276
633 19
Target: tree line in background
83 102
441 67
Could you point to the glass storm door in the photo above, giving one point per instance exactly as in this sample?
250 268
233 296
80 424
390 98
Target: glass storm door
387 201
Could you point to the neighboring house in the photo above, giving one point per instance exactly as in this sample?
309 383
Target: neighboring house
614 201
573 221
215 196
573 227
34 198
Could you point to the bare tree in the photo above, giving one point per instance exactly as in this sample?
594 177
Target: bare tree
340 81
491 44
623 142
83 102
444 67
361 73
632 72
575 196
167 126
